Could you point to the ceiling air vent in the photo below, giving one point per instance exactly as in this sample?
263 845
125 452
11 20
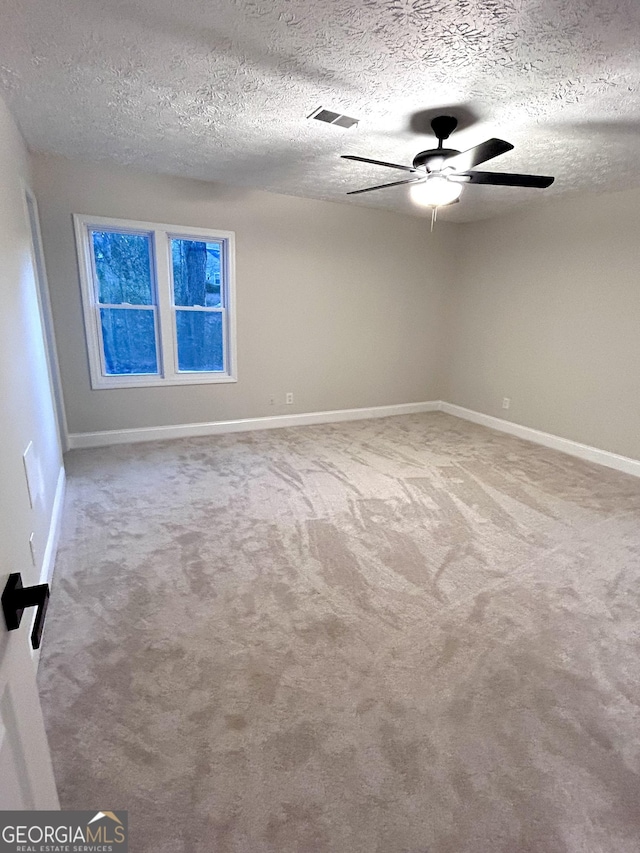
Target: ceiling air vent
330 117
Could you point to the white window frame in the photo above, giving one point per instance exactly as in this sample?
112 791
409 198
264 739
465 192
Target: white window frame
164 307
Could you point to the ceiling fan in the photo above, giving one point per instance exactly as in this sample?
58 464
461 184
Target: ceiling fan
438 175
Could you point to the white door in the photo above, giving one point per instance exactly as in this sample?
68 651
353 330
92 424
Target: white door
26 774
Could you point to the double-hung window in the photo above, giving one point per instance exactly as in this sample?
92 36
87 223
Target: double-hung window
158 302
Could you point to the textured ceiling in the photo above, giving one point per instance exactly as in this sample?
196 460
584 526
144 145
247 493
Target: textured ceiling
220 89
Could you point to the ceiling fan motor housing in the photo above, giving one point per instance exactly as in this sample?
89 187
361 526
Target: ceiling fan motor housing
435 156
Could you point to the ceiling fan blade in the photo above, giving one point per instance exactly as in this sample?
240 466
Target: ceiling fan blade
384 186
503 179
382 163
480 154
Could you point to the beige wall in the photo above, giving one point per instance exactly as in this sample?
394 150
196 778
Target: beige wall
340 305
546 310
26 406
351 307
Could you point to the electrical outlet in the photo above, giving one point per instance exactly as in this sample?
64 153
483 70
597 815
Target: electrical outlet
289 398
506 402
272 401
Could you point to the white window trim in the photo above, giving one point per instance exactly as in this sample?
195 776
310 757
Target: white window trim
164 309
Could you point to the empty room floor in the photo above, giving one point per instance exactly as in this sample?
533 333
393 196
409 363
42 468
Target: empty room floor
400 635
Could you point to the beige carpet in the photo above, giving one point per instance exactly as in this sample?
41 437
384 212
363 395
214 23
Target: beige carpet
391 636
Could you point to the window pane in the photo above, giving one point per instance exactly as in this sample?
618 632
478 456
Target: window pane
129 338
199 340
123 267
196 273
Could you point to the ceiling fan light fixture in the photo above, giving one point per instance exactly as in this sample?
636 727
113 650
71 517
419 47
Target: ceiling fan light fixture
436 191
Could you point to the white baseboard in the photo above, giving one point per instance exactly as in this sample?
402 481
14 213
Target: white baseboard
565 445
49 559
161 433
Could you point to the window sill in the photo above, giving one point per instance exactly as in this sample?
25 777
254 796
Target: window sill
111 383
